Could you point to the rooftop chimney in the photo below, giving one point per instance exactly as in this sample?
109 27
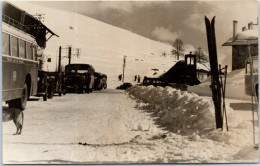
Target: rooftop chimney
234 29
250 25
243 28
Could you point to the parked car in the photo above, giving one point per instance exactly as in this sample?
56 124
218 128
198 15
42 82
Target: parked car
124 86
100 81
104 81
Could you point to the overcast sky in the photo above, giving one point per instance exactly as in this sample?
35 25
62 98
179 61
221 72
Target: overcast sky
167 20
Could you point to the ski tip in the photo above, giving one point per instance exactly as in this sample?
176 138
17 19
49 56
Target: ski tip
213 20
207 20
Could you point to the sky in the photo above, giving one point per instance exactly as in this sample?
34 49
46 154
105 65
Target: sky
166 21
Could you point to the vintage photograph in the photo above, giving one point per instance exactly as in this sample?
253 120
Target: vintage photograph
130 82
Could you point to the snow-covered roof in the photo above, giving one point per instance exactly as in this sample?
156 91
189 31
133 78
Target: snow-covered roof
249 36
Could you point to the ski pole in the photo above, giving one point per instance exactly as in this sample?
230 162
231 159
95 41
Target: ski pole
224 96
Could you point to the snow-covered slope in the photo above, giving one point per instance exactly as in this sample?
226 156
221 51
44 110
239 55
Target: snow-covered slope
102 45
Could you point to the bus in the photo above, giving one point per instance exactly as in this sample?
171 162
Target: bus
79 77
22 36
251 83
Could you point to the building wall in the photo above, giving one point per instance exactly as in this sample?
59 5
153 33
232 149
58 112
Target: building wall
240 54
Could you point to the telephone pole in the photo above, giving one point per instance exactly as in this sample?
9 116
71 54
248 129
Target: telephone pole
124 65
59 64
69 55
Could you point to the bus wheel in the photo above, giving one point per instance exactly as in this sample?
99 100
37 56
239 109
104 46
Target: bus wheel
21 102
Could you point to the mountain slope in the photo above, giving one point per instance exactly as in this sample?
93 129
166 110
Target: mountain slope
102 45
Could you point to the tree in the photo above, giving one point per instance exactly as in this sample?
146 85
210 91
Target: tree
178 49
201 56
164 54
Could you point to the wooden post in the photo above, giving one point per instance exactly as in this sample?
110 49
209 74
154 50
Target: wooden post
59 63
252 87
69 55
124 61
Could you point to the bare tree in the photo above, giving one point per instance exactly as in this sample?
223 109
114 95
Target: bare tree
178 49
201 56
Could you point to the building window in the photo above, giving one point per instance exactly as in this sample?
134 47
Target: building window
190 61
254 50
5 44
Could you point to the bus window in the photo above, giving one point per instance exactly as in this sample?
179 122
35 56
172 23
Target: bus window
21 48
35 53
14 46
5 44
29 50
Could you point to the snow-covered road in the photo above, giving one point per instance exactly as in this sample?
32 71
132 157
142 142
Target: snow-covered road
105 127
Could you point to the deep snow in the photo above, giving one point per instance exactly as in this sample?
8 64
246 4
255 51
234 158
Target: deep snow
127 130
185 118
191 115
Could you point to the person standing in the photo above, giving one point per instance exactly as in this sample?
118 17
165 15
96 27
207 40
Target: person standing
135 77
138 79
120 77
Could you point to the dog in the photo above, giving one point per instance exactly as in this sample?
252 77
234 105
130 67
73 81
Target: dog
16 115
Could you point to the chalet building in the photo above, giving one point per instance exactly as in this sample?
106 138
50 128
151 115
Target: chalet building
240 42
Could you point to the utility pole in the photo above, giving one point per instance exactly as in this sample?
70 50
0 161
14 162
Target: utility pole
124 65
69 55
59 63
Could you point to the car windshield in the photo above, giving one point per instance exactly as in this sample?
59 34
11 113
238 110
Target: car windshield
82 71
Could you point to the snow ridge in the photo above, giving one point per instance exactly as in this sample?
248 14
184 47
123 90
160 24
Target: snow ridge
191 115
180 111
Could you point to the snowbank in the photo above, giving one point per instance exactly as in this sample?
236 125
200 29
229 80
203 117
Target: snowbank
181 111
188 114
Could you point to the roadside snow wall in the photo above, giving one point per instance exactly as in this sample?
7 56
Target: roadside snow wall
180 111
189 114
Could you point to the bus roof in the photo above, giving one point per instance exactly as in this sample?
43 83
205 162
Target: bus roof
22 20
79 66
